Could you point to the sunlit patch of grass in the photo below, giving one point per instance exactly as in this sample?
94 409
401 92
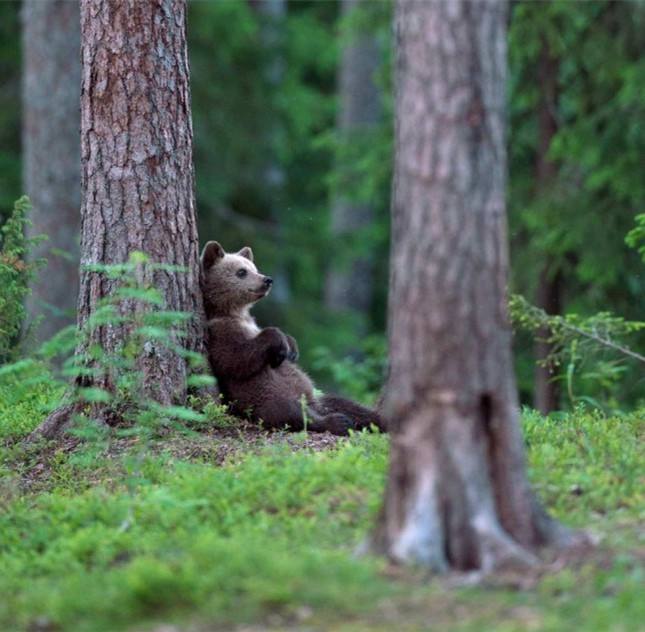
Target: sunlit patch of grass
23 407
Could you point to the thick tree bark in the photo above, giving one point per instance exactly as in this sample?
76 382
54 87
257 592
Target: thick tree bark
350 287
137 170
51 154
457 494
546 395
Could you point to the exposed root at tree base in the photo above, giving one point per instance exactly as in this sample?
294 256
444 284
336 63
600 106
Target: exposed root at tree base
552 561
55 423
508 565
60 420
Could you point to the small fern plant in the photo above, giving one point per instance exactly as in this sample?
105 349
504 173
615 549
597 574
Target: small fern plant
106 387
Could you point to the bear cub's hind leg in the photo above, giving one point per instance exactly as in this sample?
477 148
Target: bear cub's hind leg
360 416
328 414
291 415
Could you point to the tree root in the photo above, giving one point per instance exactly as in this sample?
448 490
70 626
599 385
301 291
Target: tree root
500 553
55 423
60 420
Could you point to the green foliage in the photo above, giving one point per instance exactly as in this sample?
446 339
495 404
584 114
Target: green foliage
16 273
10 185
590 349
25 399
268 539
636 236
596 149
359 378
573 225
587 465
194 536
110 384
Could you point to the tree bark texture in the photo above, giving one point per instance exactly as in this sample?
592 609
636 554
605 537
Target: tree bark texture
546 395
457 495
137 169
51 154
350 287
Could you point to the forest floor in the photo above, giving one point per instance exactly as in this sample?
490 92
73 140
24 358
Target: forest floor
237 529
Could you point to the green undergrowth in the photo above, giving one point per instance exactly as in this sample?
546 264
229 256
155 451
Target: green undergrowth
131 538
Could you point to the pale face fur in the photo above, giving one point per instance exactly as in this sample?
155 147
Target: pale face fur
232 283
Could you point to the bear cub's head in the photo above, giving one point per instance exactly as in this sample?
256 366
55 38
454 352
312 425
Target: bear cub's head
230 281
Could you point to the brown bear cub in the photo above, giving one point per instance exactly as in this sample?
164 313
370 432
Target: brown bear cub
256 368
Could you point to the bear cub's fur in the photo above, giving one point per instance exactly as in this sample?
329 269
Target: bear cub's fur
256 368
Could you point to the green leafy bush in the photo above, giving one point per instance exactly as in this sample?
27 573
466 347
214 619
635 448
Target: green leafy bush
588 354
108 385
636 236
16 273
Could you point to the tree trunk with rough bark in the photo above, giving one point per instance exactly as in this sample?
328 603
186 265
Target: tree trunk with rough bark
350 287
546 395
51 154
137 170
457 495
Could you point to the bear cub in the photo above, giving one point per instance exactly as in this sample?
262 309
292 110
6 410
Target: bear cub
256 368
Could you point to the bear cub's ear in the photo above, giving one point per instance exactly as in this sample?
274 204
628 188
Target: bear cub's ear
211 254
247 253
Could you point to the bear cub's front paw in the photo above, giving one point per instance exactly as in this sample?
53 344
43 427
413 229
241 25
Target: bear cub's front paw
278 350
293 354
277 355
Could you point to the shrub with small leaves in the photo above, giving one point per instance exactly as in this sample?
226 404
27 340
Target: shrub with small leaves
636 237
591 349
108 386
16 273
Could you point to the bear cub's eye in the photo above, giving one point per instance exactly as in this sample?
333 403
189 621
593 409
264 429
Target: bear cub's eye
241 273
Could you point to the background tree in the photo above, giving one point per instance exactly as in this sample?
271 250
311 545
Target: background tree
137 172
350 278
51 153
546 389
457 494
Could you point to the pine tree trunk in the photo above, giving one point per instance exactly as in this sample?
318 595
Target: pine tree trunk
457 494
137 170
350 287
51 154
549 293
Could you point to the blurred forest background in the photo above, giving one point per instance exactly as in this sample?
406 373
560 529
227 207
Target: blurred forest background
292 111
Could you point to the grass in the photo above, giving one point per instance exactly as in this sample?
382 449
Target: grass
141 534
